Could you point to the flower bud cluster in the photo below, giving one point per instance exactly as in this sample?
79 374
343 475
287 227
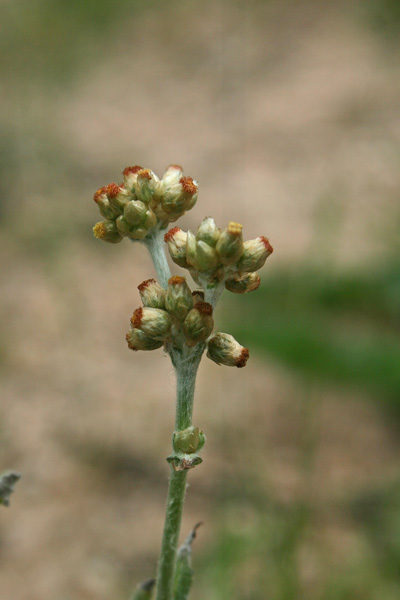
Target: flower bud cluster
143 202
175 315
186 445
213 255
179 317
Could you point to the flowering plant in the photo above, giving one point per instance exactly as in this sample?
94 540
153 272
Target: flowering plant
179 320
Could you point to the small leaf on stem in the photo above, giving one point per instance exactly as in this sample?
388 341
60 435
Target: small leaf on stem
184 571
144 591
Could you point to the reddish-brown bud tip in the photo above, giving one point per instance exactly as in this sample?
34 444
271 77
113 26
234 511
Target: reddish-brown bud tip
113 190
132 170
177 167
188 185
144 284
144 174
266 243
98 193
170 234
199 293
243 358
176 280
136 318
204 308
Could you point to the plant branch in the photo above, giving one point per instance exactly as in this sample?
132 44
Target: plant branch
155 245
212 295
186 365
169 546
186 362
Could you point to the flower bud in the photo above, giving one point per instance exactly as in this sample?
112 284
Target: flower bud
152 294
190 189
225 350
208 232
105 208
135 211
130 177
138 233
146 185
191 246
154 322
198 324
170 179
206 257
176 240
178 195
107 231
150 219
189 440
230 243
178 299
117 196
241 283
138 340
255 253
123 226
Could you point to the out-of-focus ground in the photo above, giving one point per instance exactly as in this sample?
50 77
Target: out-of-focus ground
288 114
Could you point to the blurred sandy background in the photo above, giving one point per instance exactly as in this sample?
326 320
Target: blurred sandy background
288 115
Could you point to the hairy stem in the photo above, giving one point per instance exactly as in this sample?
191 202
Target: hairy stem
169 546
155 245
186 370
186 366
212 295
186 362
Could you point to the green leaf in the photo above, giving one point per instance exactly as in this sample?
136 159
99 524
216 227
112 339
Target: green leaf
144 591
8 480
184 571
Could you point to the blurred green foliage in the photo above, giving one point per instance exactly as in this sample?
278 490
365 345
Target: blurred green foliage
377 510
49 38
261 556
384 16
339 327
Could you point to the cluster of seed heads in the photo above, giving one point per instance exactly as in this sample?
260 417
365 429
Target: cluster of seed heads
177 317
213 255
143 203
